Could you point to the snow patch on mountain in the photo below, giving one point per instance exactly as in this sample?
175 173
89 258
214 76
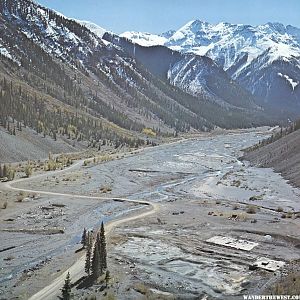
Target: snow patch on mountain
291 81
7 54
284 51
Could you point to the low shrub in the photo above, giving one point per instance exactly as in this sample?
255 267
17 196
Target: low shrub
251 209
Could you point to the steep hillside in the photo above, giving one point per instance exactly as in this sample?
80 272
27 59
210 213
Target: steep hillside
68 79
28 145
283 155
200 76
274 82
44 82
264 59
197 75
59 77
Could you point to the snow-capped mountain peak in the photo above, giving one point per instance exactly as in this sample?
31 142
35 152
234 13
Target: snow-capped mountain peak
226 43
193 26
252 55
145 39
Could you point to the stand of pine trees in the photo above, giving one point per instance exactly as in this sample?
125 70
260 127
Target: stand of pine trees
88 244
96 257
21 108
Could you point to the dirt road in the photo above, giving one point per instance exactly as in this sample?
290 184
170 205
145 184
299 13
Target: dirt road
77 269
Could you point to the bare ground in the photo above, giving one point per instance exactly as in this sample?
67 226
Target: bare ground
202 190
28 145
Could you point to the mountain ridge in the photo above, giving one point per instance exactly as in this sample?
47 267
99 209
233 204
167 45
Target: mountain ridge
170 65
237 49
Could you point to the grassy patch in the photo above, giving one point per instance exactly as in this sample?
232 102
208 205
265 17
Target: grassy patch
279 209
251 209
20 198
105 189
236 183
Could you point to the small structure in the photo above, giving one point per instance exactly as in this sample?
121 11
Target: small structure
232 243
267 264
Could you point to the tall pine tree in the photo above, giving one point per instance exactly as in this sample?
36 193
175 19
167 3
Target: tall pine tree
84 238
96 262
88 258
99 261
103 253
66 289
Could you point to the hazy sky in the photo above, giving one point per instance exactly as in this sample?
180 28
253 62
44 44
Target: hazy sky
157 16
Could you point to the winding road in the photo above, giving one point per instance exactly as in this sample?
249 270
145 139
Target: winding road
77 269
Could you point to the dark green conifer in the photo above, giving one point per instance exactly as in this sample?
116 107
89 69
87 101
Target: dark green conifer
96 263
84 238
103 253
66 289
107 278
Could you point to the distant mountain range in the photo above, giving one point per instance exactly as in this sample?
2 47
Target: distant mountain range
73 80
263 59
